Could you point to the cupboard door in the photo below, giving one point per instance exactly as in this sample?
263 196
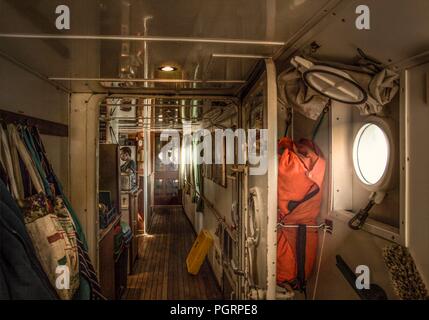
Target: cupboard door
107 266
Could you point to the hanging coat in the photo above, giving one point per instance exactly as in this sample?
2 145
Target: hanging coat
21 275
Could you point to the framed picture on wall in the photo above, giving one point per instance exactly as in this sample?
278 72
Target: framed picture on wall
131 151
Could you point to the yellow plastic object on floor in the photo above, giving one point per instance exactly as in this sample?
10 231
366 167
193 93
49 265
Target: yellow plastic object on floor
199 252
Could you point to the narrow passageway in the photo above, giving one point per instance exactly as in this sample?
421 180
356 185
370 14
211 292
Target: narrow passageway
160 273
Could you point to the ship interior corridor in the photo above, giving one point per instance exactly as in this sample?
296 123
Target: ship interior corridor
214 149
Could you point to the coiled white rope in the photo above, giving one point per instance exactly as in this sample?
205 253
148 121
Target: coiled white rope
253 229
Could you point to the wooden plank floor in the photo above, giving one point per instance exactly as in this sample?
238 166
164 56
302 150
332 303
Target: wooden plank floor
160 272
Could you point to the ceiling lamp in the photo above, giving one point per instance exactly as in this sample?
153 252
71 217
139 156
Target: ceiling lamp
167 68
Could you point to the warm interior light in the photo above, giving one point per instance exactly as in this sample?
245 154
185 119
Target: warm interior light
371 154
167 68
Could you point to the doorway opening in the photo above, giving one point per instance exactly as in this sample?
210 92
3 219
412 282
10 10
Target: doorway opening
145 235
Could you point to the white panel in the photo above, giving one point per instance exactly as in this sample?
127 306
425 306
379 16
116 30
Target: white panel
342 172
398 31
417 168
356 248
347 193
220 197
22 92
84 115
189 208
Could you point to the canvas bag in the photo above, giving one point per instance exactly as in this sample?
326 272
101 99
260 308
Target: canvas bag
55 245
49 226
89 284
300 184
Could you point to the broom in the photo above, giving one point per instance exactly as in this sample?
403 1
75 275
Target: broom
407 282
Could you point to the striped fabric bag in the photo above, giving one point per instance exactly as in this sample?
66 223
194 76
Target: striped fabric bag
51 230
49 226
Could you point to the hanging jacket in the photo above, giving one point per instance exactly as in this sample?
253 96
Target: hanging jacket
21 275
89 284
300 183
27 147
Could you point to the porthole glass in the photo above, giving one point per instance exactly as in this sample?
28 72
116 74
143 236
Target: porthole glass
371 153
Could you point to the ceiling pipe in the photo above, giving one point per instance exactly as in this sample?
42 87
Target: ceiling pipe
146 49
145 80
142 38
172 106
176 97
239 56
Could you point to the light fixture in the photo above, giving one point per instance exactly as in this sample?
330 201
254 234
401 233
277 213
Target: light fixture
167 68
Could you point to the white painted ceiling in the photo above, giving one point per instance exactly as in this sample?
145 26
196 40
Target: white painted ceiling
398 31
262 20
